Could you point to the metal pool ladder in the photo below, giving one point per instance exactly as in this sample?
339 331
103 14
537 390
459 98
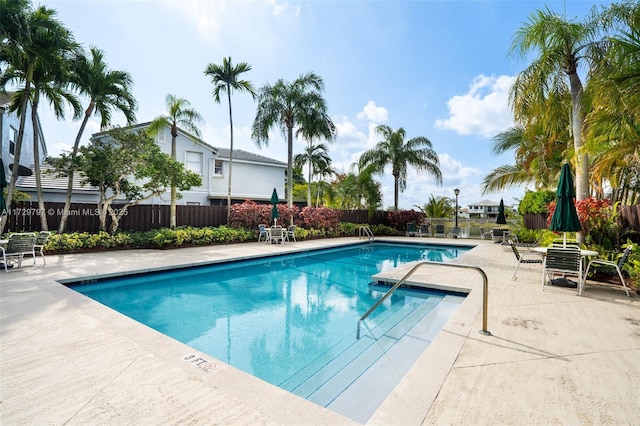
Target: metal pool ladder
485 292
365 232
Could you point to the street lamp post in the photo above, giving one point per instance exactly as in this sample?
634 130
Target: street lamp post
456 191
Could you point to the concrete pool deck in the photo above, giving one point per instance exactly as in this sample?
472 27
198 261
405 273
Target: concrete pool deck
552 357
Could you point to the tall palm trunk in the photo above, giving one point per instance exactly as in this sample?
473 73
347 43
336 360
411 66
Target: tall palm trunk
396 189
290 165
230 156
36 159
309 183
74 154
18 150
582 159
174 192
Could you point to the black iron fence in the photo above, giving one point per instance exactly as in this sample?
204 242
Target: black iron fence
26 217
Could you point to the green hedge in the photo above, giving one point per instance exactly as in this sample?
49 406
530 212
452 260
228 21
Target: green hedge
186 236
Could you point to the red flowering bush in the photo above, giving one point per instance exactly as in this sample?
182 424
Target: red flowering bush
249 214
399 219
597 218
321 218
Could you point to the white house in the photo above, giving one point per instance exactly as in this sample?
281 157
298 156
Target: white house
9 126
254 176
485 209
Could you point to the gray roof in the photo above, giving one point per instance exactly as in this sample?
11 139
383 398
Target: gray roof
141 126
241 155
50 182
485 203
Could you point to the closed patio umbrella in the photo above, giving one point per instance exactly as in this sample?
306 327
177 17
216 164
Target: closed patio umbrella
565 217
275 214
501 219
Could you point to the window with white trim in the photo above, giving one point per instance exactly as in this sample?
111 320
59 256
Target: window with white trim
194 162
161 135
13 137
217 167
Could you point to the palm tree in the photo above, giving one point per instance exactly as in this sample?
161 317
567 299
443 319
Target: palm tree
179 115
317 158
225 78
612 131
393 150
438 207
107 90
51 82
316 125
562 46
30 46
286 105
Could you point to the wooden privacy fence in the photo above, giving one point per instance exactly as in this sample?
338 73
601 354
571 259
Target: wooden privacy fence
629 218
84 217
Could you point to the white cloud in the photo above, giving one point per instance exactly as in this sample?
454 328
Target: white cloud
483 110
373 113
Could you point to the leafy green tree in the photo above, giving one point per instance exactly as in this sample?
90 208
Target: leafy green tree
536 201
179 115
226 78
287 105
393 151
127 165
107 90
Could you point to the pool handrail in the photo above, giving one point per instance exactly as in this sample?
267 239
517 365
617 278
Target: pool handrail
365 232
485 292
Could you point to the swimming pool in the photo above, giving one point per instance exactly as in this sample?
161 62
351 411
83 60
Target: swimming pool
291 320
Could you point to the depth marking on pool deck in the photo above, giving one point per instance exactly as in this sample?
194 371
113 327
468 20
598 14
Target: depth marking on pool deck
201 363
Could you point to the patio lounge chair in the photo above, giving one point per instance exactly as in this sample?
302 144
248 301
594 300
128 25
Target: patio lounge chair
19 245
423 231
563 261
262 232
411 230
276 235
439 232
38 247
609 269
455 232
485 234
528 258
498 235
291 233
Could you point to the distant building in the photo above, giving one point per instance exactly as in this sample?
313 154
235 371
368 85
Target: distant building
254 176
9 127
485 209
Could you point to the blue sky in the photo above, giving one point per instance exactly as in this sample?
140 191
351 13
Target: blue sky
439 69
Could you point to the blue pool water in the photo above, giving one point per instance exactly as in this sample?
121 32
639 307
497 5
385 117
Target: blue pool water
291 319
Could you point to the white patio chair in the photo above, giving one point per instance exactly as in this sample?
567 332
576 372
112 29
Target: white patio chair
617 266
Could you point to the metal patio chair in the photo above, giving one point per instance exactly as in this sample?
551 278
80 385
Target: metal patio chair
527 258
609 267
563 261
